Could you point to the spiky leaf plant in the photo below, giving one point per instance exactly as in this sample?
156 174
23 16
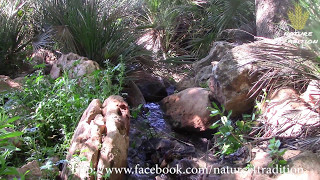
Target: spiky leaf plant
97 29
214 16
14 34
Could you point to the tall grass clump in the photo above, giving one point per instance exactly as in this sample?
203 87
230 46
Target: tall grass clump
97 29
215 16
14 34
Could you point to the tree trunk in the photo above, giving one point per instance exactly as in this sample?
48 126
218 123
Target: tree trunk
271 17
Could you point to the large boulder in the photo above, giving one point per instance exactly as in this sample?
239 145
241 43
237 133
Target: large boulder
287 115
203 68
188 109
218 50
100 141
152 87
237 71
303 166
75 65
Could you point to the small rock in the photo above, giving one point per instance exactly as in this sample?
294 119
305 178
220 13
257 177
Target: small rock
34 168
261 159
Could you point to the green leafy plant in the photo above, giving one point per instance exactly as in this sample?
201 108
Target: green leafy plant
51 108
7 146
229 136
276 154
136 111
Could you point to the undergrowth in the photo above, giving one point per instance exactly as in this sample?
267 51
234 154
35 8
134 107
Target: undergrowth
50 109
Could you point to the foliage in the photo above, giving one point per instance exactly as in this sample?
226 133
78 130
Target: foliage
7 139
229 137
14 34
214 16
185 29
53 107
276 154
136 111
313 24
97 29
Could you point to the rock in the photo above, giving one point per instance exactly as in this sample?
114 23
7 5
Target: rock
282 113
262 159
244 175
218 50
75 65
135 97
33 168
303 166
203 76
290 154
152 87
185 83
237 71
7 84
312 95
43 56
101 139
188 109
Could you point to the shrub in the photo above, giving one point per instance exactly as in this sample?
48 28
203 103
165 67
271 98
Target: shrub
97 29
50 109
14 34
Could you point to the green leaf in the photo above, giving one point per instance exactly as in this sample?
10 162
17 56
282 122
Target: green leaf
215 106
10 135
229 114
282 162
240 124
11 120
215 125
214 113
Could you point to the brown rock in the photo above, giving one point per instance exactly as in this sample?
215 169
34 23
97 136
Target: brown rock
286 115
262 159
218 50
312 95
237 71
185 83
33 168
100 141
188 109
303 166
76 66
7 84
135 97
152 87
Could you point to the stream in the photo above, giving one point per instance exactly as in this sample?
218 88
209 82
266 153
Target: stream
152 141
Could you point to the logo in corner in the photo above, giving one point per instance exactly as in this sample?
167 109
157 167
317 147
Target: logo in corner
298 18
